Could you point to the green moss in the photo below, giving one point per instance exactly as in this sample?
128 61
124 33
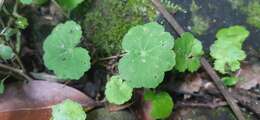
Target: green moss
253 13
107 22
199 23
172 7
236 4
251 10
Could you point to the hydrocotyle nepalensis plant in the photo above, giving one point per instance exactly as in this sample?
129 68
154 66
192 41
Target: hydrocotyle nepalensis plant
188 53
227 49
148 55
61 53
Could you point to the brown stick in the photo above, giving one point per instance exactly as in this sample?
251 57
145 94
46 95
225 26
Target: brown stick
216 79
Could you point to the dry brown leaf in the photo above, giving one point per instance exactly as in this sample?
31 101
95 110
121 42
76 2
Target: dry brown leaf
33 100
250 76
191 84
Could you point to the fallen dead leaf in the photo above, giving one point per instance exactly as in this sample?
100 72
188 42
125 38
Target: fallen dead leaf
191 84
250 76
33 100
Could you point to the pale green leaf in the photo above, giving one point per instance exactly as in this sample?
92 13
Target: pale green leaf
227 49
26 2
6 52
161 104
149 55
69 4
68 110
117 91
188 53
61 54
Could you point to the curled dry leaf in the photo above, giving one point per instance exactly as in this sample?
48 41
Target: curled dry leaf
192 84
33 100
249 75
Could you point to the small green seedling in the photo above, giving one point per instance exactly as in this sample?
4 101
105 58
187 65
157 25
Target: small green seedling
227 49
148 55
61 53
188 53
68 110
117 91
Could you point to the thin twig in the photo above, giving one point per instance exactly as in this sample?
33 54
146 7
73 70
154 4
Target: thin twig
111 57
16 71
114 108
216 79
211 105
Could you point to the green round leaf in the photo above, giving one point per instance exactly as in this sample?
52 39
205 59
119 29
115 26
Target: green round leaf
61 54
188 53
149 55
69 4
26 2
68 110
230 81
227 49
161 104
6 52
117 91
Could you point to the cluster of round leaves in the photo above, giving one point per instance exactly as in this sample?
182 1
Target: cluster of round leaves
68 110
146 46
227 49
61 53
188 53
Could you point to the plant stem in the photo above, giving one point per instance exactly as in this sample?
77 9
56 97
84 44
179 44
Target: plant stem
16 71
216 79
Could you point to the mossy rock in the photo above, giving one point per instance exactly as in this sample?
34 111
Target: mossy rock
108 21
